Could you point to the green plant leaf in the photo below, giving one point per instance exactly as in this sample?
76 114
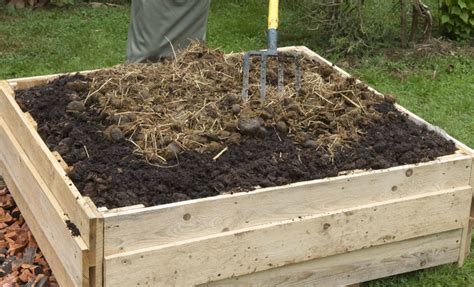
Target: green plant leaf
472 22
455 10
445 19
462 4
465 17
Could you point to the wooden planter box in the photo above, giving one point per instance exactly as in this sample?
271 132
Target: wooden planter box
336 231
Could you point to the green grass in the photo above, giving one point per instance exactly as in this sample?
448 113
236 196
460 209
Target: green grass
61 40
64 40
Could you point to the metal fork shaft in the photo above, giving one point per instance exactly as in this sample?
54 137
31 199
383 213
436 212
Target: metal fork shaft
263 77
245 90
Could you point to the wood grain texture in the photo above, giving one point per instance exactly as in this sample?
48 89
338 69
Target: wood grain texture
170 223
467 235
31 121
50 170
29 82
43 213
250 250
96 253
358 266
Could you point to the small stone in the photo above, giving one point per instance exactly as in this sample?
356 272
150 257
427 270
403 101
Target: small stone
266 115
232 99
236 109
282 127
248 126
262 132
224 134
158 108
391 115
230 126
62 149
114 119
124 119
116 102
73 96
234 138
80 153
199 139
176 126
174 147
212 137
171 151
302 137
116 134
292 115
309 144
166 140
214 147
325 158
132 117
92 99
75 106
77 85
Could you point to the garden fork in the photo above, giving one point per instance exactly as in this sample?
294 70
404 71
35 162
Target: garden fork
272 51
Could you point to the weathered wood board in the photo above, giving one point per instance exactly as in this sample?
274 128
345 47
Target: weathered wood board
358 266
250 250
43 213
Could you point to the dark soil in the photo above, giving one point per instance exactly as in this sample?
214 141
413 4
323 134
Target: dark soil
73 228
112 175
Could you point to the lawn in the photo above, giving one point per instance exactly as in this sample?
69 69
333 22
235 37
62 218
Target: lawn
439 88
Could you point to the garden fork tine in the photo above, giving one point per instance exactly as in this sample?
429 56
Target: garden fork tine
271 52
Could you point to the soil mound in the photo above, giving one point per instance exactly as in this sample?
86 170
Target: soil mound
178 130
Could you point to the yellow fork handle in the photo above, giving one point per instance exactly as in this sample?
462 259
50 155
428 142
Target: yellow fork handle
273 14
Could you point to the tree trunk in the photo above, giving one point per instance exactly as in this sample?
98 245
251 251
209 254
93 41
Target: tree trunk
403 23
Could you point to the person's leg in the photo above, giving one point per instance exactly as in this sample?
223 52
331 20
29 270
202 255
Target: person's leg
157 25
134 31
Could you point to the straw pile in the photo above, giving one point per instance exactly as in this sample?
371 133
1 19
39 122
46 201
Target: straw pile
194 103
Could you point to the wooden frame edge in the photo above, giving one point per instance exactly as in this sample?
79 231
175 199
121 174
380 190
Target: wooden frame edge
17 119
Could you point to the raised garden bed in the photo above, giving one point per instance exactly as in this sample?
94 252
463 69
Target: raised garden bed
342 227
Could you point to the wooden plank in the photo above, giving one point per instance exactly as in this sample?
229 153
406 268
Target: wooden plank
31 121
45 216
120 210
467 236
255 249
29 82
96 254
358 266
61 161
42 159
208 216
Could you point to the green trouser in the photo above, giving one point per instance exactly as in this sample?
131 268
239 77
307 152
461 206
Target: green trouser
158 25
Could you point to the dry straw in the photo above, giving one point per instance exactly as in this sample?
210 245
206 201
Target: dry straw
194 103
